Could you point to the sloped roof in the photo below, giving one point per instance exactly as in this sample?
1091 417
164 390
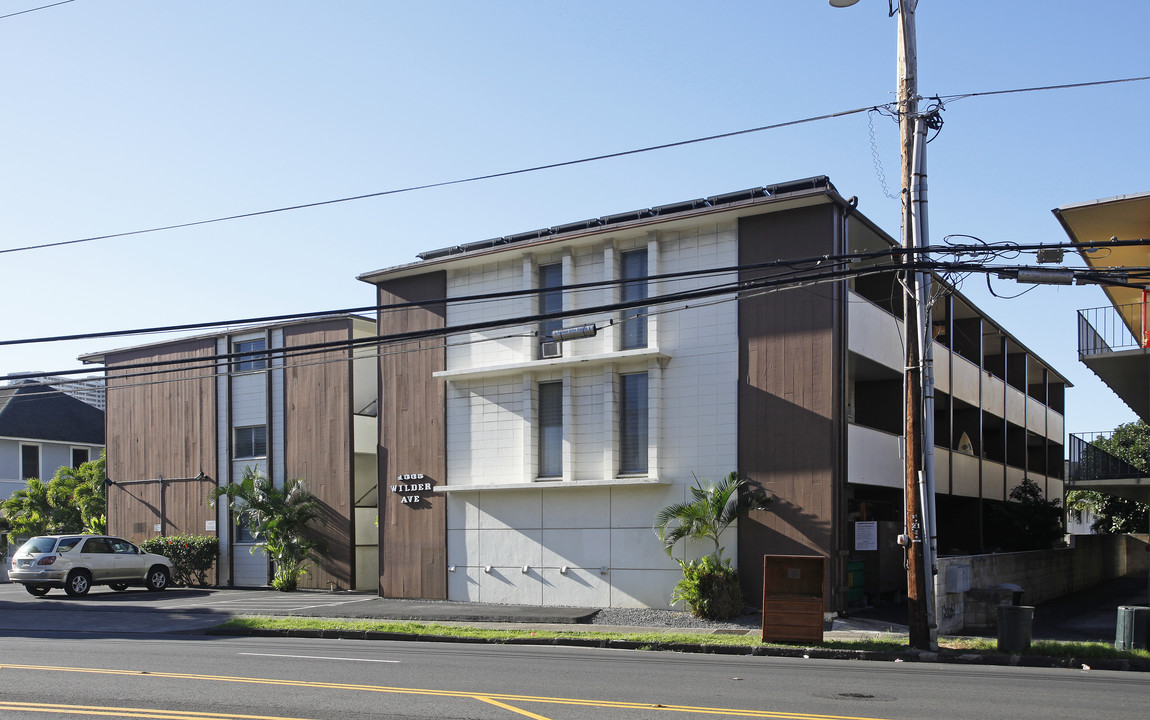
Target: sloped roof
31 411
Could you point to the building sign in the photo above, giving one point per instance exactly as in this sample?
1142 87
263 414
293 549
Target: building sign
410 488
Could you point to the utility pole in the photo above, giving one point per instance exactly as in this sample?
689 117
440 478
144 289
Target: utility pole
918 495
919 537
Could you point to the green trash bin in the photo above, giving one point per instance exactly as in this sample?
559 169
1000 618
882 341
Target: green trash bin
1015 624
1133 632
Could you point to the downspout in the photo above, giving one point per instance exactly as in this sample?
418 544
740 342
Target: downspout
926 477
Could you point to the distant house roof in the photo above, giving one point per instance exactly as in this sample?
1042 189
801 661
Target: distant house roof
31 411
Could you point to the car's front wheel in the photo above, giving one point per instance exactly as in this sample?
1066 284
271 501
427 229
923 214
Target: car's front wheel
118 587
37 590
158 578
79 582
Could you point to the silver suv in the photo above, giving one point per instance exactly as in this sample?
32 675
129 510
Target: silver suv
77 562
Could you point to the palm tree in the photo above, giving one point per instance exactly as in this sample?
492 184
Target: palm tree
713 509
29 511
279 518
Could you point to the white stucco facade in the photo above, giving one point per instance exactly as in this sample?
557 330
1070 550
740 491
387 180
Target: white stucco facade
584 538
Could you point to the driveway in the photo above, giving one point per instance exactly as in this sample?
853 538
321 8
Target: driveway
139 611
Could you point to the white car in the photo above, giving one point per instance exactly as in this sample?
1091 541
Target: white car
77 562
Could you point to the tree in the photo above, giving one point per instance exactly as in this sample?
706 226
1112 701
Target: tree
277 517
1028 522
72 501
1115 515
710 586
80 495
713 509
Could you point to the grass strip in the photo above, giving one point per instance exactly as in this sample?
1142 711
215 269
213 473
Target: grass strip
884 643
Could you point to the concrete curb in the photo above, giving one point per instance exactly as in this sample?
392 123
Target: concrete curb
816 653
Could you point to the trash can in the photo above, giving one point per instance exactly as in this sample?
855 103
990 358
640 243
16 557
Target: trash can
1133 631
1015 623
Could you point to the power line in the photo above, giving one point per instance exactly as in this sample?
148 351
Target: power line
1041 88
537 168
42 7
839 269
445 183
983 250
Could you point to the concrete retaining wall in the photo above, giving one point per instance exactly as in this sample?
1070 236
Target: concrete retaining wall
1042 575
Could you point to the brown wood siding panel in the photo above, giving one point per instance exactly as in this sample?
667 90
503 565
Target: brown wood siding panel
160 425
789 364
412 537
317 442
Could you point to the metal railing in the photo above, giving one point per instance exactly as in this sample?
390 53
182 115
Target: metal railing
1088 461
1114 327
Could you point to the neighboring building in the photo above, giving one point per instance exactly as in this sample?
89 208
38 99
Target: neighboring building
43 430
1113 340
87 389
189 414
527 471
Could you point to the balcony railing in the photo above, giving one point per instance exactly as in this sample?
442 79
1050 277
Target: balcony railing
1088 461
1111 328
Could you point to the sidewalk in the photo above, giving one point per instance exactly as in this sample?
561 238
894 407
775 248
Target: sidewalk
1090 615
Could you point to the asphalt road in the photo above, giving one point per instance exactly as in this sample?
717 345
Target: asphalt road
59 674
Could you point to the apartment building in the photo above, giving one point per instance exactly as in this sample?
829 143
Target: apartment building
292 400
544 394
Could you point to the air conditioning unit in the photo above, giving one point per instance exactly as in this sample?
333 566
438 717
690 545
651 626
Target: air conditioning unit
550 349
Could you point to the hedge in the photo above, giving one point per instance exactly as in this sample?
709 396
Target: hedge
192 556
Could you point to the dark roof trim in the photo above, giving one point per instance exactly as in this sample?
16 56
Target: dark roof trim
661 211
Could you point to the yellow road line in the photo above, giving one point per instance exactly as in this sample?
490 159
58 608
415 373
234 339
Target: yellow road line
154 714
485 697
505 706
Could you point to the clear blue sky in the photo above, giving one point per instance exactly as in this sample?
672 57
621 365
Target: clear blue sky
126 115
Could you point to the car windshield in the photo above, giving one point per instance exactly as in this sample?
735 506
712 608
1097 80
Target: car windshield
38 545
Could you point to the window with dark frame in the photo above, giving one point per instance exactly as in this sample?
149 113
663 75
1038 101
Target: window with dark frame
633 270
253 362
29 462
80 456
633 431
551 429
250 442
550 298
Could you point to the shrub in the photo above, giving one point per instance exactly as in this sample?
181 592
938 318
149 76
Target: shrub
710 588
192 556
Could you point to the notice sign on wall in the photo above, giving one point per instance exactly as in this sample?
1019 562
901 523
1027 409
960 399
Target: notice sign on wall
866 535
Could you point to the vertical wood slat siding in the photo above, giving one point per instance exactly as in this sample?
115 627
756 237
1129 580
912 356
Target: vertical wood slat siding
788 367
412 537
317 442
160 425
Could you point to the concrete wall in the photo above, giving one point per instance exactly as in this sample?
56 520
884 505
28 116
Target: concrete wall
1042 575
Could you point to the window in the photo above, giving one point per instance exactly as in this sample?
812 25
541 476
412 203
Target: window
550 429
252 362
29 461
244 533
99 546
634 272
550 298
79 456
633 424
251 442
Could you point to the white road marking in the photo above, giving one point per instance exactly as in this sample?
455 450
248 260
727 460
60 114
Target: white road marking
317 657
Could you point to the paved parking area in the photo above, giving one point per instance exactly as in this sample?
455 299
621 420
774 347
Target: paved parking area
191 609
173 610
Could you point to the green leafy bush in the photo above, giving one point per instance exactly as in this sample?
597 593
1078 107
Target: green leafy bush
710 588
192 556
